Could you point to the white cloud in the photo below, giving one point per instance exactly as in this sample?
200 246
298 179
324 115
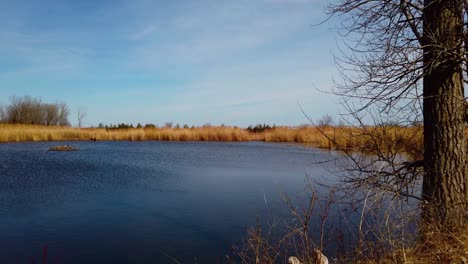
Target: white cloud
39 53
237 62
217 33
256 91
143 33
253 61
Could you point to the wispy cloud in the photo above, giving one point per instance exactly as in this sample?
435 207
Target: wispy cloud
37 53
143 33
220 33
235 62
268 90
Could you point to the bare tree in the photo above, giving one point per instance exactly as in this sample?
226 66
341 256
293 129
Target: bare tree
25 110
51 114
28 110
64 112
326 120
408 58
80 116
2 114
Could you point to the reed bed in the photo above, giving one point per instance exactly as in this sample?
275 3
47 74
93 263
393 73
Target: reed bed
366 139
388 138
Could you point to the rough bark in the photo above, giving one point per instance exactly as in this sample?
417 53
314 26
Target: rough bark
445 190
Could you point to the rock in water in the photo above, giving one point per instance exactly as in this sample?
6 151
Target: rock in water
293 260
63 148
320 258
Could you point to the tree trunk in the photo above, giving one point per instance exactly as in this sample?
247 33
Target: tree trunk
445 182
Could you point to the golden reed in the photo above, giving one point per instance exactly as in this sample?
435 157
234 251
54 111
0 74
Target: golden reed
388 138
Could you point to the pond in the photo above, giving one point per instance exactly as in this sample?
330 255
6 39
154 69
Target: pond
143 202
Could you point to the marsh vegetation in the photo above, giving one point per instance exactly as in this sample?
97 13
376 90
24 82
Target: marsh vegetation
389 137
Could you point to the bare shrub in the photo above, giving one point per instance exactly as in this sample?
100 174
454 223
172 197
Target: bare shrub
29 110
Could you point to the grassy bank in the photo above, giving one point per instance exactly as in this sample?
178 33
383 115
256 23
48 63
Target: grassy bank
19 133
392 138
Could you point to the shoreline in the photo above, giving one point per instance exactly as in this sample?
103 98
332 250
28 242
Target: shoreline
393 138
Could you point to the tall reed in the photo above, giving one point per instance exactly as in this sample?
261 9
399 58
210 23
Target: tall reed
404 139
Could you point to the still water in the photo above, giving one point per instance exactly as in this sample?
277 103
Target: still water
143 202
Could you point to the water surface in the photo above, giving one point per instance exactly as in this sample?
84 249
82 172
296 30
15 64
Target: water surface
140 202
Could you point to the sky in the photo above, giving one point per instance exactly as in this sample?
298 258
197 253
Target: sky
190 62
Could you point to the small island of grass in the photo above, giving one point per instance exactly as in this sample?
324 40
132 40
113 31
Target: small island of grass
63 148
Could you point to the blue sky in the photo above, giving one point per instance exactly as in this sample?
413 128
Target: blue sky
233 62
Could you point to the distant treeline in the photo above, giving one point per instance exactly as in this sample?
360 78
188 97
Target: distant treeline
260 128
139 125
31 111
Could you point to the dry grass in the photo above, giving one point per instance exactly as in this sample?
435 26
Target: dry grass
383 235
400 139
19 133
387 138
442 247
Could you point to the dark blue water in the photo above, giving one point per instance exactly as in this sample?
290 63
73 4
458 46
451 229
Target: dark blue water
141 202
